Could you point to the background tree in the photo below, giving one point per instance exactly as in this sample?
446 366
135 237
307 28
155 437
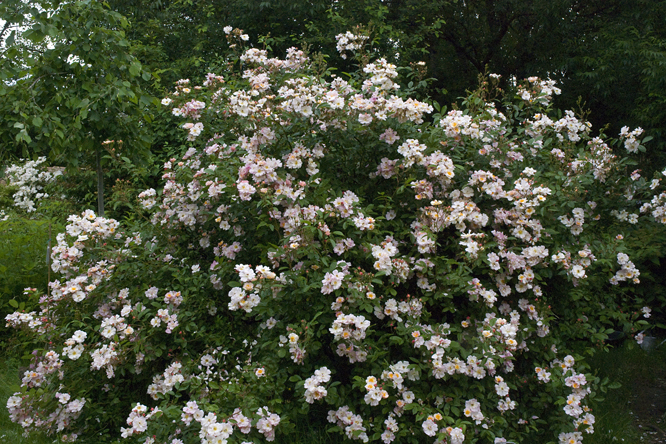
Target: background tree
73 87
620 69
609 53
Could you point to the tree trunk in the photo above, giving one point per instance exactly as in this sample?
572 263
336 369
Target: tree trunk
100 182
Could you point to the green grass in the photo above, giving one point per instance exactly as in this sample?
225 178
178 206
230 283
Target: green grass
627 414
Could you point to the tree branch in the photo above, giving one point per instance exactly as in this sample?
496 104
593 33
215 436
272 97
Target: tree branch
4 29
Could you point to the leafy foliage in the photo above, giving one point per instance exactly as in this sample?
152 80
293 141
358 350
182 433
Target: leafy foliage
74 87
323 250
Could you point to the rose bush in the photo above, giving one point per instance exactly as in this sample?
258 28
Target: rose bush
330 248
27 181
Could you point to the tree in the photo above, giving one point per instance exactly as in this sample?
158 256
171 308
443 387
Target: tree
619 69
71 84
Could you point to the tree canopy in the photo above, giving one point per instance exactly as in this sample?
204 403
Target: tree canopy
76 73
70 80
610 53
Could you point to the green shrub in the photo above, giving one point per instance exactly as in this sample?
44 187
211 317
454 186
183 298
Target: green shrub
323 251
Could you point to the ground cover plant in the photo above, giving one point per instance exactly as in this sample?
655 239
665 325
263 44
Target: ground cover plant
331 248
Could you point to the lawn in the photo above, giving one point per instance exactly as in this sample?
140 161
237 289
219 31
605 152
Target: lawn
636 411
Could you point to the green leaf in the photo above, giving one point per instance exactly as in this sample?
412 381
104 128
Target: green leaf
396 340
135 68
34 35
13 303
23 136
